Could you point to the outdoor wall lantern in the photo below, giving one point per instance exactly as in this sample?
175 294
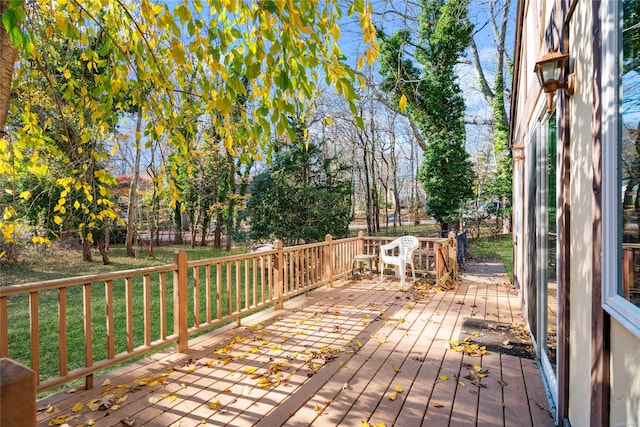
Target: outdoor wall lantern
517 151
549 71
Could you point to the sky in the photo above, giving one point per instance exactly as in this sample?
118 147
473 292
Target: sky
387 15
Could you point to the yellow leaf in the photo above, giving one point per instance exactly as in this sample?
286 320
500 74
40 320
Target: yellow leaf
57 219
250 370
67 74
360 62
58 421
437 405
403 102
399 389
461 383
381 425
443 377
395 368
392 395
77 407
214 404
173 398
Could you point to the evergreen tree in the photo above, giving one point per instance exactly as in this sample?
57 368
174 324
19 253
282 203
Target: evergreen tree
303 197
430 92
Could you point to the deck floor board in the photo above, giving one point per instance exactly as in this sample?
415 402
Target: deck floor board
365 351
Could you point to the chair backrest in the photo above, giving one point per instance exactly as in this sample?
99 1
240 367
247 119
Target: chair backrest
407 245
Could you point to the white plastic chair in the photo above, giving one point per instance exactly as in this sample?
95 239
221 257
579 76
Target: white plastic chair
406 245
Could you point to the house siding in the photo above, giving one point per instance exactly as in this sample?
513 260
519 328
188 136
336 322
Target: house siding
581 152
603 359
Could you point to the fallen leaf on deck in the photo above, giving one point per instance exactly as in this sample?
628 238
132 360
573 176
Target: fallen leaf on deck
106 382
94 405
437 405
77 407
502 382
392 395
128 421
399 389
443 377
50 409
214 404
395 368
153 400
59 420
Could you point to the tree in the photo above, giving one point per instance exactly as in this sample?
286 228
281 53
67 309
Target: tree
303 197
501 185
430 93
283 48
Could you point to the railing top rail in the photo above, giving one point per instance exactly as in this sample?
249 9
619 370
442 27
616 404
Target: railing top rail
422 239
80 280
227 258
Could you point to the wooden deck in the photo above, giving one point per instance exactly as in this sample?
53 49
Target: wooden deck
363 352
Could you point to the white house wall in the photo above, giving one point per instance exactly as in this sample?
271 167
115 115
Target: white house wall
581 203
624 352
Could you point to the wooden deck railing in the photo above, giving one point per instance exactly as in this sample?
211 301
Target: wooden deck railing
102 320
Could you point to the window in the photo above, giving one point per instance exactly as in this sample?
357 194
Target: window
621 162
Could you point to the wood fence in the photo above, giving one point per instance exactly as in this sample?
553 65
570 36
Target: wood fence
105 319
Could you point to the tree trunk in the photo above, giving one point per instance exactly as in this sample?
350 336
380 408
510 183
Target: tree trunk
8 55
103 251
231 198
86 250
133 190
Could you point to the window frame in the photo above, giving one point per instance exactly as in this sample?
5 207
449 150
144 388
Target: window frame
615 304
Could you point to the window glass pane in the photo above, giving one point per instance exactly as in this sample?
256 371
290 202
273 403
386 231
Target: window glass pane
552 241
630 151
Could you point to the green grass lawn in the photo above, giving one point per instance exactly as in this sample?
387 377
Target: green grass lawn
54 263
498 247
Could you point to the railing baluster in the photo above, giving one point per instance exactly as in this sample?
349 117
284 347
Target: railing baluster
238 287
146 295
229 292
34 321
246 284
88 333
62 331
129 308
208 291
196 296
4 328
219 290
254 263
111 339
163 306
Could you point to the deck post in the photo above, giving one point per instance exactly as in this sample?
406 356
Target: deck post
180 327
17 395
438 260
279 274
453 254
360 243
328 260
